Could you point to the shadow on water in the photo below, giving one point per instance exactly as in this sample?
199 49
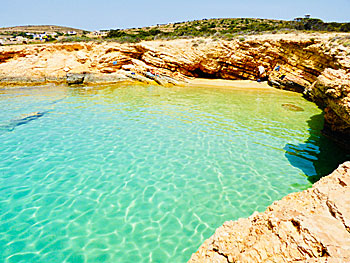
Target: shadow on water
29 117
318 156
11 125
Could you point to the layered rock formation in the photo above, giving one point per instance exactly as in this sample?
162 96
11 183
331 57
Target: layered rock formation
310 226
301 61
331 91
317 65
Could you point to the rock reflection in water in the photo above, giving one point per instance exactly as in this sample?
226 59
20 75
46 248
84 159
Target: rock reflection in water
317 149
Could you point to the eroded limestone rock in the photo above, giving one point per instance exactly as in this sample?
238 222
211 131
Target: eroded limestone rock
310 226
73 78
331 91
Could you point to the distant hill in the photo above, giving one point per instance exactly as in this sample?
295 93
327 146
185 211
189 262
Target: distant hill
225 28
39 29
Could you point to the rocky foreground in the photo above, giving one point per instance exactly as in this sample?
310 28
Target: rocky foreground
310 226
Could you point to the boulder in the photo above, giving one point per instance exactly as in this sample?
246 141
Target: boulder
75 78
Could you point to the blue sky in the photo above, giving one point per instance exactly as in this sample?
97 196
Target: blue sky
106 14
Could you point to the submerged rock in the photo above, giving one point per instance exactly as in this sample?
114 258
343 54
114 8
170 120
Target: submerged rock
97 78
310 226
23 120
292 107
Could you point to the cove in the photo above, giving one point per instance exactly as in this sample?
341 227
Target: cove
132 173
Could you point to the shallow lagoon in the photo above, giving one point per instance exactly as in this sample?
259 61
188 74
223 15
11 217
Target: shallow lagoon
134 173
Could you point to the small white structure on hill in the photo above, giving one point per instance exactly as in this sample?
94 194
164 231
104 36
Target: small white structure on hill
100 33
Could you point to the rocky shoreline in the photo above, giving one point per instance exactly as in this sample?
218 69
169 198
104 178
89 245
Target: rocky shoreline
317 65
311 226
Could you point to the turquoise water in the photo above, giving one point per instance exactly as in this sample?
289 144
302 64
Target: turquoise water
143 173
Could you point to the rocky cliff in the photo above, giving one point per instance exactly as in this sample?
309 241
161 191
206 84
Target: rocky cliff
317 65
310 226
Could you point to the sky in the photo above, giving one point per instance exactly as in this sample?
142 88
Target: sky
108 14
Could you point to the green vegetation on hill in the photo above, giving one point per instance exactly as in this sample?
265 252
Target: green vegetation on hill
224 28
38 29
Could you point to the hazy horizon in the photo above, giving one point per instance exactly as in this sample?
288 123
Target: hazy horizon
107 14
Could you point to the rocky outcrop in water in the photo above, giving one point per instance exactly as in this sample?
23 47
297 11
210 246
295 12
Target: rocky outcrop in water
77 78
310 226
331 91
316 65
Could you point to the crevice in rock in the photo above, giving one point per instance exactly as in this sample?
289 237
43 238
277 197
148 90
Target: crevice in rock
324 252
304 251
330 209
336 214
198 73
296 224
221 254
342 183
269 225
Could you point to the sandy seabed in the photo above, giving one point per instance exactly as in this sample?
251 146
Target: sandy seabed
221 83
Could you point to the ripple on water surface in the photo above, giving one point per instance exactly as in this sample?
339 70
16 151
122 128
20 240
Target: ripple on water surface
143 173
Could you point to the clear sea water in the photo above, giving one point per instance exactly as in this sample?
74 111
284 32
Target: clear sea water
134 173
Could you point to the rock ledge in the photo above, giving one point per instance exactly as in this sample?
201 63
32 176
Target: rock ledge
309 226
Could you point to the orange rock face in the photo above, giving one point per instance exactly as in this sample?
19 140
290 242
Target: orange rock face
300 61
332 90
310 226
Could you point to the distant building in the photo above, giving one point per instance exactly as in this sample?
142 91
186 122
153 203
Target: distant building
16 40
71 33
4 39
21 39
307 16
38 36
7 40
101 33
